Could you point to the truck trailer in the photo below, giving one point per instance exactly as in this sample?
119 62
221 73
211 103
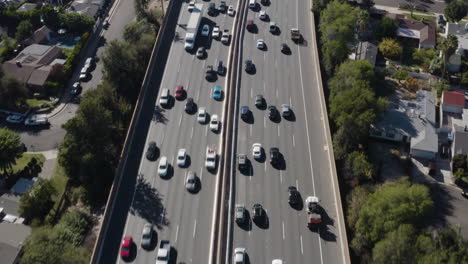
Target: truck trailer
192 27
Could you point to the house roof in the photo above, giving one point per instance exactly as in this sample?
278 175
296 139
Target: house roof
460 140
27 7
461 31
366 51
424 31
38 36
86 7
455 98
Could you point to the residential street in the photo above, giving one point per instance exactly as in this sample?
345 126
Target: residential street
436 6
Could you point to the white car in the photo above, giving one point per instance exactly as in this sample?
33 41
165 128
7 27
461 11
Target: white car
257 150
230 11
205 31
214 123
277 261
201 117
89 63
191 6
225 37
14 119
181 157
36 120
163 166
239 255
260 44
263 15
216 32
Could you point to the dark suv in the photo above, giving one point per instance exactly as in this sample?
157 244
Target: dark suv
151 152
212 9
190 106
274 156
272 112
257 212
209 73
249 66
245 112
294 197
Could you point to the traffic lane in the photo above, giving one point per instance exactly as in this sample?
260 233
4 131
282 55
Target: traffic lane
436 6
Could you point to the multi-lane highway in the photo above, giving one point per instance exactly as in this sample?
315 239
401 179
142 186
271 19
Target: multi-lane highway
285 79
179 216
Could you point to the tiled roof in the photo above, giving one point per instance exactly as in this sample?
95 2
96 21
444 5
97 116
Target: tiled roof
456 98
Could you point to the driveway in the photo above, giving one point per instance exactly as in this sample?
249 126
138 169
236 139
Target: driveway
120 15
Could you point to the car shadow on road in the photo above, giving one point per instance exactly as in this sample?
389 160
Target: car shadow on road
247 225
148 204
291 117
158 115
170 173
265 222
173 256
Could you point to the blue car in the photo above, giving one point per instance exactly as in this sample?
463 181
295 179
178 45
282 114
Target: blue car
217 92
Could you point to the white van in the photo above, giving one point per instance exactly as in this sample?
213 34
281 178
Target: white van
252 4
164 99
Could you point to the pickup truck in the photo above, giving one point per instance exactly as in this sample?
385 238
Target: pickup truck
35 120
210 161
164 252
296 35
314 216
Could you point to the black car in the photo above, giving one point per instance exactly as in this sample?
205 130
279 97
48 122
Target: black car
220 68
294 197
259 100
257 212
284 48
151 152
242 161
274 156
245 112
222 6
249 66
210 76
212 9
264 2
76 89
190 106
272 112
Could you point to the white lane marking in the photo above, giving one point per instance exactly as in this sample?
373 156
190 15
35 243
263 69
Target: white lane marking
278 131
176 233
297 185
172 160
281 177
180 121
294 141
194 228
201 174
191 133
302 247
265 164
178 68
264 87
264 122
198 94
276 94
251 93
290 102
276 64
264 56
282 223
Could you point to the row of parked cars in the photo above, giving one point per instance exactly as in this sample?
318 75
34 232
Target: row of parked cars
32 120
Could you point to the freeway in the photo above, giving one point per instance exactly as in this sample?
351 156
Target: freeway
285 79
179 216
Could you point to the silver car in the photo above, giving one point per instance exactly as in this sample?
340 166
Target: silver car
191 182
147 236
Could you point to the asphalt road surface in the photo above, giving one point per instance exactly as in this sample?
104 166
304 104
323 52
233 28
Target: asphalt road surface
179 216
285 79
436 6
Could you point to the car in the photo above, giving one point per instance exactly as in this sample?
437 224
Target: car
83 77
259 100
250 26
220 68
273 27
293 195
189 105
230 11
182 157
216 32
257 151
163 166
242 161
440 20
264 2
260 44
217 92
285 110
191 6
151 151
147 236
274 156
239 256
15 119
249 66
245 112
37 120
277 261
214 123
106 23
210 76
76 88
202 115
200 52
272 112
180 92
257 212
284 48
212 9
85 69
240 214
263 15
222 6
225 36
191 181
89 63
205 30
125 249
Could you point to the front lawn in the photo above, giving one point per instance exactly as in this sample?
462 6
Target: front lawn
32 102
23 161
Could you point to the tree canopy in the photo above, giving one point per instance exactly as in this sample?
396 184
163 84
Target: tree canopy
348 73
10 149
37 202
23 30
386 28
390 48
456 10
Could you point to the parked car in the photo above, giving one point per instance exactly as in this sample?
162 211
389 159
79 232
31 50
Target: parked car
259 100
180 92
36 120
257 151
263 15
211 9
200 52
220 68
210 75
163 166
249 66
205 30
76 89
260 44
245 113
182 157
191 6
202 115
225 36
15 119
222 6
241 215
190 106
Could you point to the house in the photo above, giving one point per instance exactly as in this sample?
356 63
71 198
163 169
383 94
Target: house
424 32
40 36
87 7
459 140
412 122
26 7
453 102
366 51
460 30
32 65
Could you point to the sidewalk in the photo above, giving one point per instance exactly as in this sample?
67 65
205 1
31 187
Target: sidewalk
49 164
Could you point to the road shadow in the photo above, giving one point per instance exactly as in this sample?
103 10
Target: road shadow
281 163
173 256
170 173
246 225
253 29
154 241
262 158
276 119
299 205
133 253
443 202
277 32
253 70
158 115
147 203
188 162
324 233
249 119
291 117
248 170
263 223
265 47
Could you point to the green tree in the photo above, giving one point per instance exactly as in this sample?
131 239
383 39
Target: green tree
12 93
338 25
397 247
390 48
390 206
456 10
23 30
135 30
448 47
464 78
400 75
441 86
358 167
37 202
356 201
50 16
386 28
423 57
348 73
411 5
10 149
140 8
76 23
73 227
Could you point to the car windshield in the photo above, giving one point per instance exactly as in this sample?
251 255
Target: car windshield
146 236
181 156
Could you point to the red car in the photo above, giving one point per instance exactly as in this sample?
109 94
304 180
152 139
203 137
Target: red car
179 94
126 246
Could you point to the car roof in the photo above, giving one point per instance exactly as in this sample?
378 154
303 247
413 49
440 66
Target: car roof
163 159
217 87
127 241
180 87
